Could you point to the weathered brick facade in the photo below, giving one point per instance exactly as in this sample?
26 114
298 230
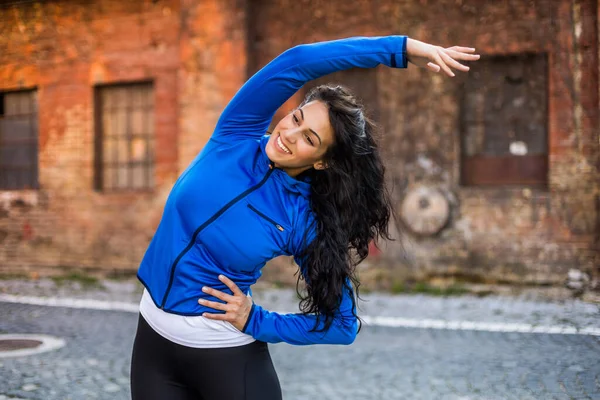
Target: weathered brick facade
197 54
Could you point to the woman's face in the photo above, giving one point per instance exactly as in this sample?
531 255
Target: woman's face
301 139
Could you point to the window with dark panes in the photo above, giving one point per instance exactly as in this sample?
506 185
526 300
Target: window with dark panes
18 140
504 122
124 155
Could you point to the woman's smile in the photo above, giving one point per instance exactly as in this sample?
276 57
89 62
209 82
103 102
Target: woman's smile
283 148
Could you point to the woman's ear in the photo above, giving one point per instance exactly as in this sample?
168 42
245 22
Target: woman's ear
320 165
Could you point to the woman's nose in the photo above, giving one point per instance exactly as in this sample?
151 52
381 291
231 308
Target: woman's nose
291 134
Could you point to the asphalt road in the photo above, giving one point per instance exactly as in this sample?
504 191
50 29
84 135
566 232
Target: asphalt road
383 363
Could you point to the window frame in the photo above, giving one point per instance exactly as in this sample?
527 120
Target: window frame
32 181
100 163
506 170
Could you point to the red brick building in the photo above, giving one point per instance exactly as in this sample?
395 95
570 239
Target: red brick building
495 174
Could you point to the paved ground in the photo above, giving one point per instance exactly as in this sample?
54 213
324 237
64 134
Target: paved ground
383 363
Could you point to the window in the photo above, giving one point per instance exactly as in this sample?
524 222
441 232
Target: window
504 122
124 154
18 140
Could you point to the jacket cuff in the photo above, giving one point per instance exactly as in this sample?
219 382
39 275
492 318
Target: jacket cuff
400 60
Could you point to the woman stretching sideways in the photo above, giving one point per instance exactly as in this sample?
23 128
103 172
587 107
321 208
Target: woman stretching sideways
313 188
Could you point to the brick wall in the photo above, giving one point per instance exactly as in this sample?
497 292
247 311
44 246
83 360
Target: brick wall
64 49
198 53
516 234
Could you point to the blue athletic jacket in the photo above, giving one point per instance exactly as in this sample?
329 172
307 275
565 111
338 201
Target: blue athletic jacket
231 211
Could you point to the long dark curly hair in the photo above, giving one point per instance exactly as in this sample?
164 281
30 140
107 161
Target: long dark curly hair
351 205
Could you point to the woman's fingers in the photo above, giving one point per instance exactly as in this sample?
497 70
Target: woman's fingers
214 304
436 58
433 67
452 62
222 295
237 307
462 49
439 61
229 300
458 55
446 58
218 317
236 290
218 294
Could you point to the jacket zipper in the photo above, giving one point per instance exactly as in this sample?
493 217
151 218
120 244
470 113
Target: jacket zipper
250 206
205 224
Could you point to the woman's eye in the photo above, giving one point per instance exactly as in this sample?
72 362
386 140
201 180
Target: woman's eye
308 139
296 120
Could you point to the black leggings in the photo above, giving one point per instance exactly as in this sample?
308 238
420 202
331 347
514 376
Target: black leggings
163 370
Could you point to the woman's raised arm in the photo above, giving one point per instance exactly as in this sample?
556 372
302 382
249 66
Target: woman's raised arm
250 111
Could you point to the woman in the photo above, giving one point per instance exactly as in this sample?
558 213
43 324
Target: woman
312 189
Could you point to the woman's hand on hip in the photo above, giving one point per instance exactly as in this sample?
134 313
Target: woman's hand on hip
236 307
436 58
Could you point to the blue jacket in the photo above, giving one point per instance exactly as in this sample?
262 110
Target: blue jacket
231 211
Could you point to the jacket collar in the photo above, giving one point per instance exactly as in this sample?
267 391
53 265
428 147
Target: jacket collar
300 186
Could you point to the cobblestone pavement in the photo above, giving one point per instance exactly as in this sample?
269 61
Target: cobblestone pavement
383 363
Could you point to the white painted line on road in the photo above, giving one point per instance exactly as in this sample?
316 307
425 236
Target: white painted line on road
89 304
396 322
393 322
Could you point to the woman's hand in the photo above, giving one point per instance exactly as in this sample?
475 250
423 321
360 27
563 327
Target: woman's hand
236 307
435 58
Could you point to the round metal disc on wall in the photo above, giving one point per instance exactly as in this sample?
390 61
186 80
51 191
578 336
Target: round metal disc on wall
19 345
425 210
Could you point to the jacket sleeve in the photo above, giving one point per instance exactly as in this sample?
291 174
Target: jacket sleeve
298 329
252 108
